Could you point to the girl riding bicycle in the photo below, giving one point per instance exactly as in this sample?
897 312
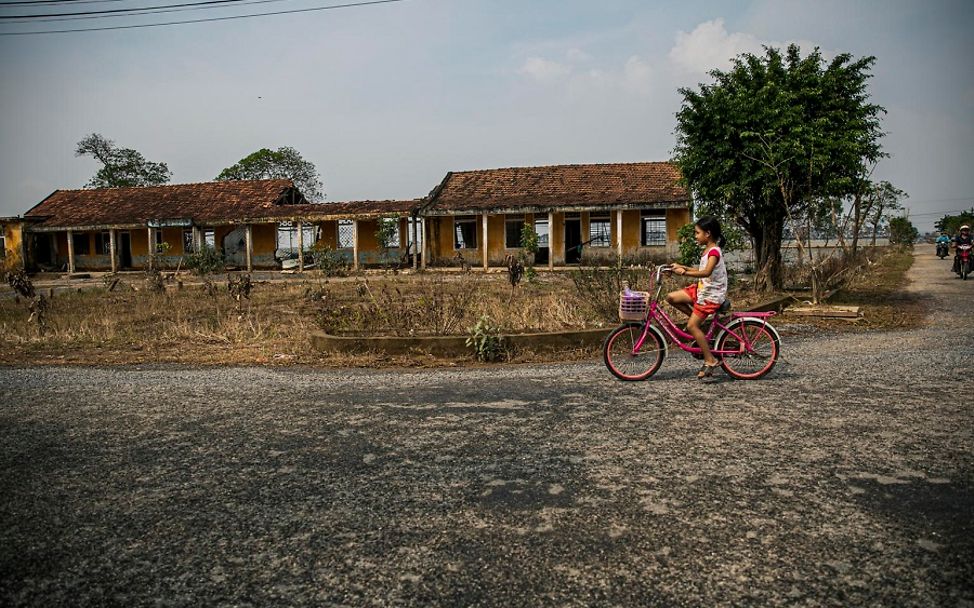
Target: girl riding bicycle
703 298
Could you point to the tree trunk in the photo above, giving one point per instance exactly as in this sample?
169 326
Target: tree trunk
767 243
857 222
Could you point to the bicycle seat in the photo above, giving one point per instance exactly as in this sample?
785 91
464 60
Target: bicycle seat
724 308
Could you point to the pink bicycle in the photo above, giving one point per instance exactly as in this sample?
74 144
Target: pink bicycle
746 344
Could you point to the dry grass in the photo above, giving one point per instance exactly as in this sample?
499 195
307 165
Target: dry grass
191 327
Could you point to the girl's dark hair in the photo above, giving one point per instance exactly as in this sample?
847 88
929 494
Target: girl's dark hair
709 223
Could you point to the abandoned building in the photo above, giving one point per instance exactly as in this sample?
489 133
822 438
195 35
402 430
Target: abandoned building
596 210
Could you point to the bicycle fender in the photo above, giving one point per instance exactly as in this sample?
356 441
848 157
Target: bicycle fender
762 320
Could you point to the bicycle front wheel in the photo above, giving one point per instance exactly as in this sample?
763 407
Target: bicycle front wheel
756 361
624 361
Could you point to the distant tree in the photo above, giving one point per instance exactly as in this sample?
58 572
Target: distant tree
121 167
902 231
774 136
951 223
884 202
283 163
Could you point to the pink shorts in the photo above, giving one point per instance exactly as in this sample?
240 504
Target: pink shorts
701 310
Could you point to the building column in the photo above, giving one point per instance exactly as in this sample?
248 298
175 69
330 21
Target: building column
354 244
249 235
619 233
484 216
112 250
300 247
414 222
196 239
426 243
551 241
70 251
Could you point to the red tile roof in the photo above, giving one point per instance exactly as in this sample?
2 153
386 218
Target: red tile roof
345 209
613 185
208 202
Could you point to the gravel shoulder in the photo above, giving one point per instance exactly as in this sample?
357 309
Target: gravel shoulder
844 478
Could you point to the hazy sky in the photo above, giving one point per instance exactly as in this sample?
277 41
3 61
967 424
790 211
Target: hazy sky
386 99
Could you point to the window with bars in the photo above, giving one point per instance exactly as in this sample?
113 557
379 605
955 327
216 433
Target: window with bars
600 231
346 234
653 224
513 227
465 233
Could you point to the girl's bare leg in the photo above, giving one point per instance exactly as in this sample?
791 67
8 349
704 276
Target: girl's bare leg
693 327
681 301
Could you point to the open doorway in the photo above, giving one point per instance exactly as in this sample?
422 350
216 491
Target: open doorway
573 240
124 250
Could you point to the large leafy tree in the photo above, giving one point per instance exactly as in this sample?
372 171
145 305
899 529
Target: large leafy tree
951 224
775 136
121 167
285 163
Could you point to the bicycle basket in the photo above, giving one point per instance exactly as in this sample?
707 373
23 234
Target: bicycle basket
633 306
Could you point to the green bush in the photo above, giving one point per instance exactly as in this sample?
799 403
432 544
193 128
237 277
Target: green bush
205 261
485 340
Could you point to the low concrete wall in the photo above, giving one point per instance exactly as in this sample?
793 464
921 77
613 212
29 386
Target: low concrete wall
455 346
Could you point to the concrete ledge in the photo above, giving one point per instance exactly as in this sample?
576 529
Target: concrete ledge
454 346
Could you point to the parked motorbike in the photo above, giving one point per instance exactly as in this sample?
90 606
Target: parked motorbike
965 261
943 249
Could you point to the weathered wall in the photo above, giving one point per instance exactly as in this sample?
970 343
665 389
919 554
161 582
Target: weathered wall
556 238
328 235
675 219
13 240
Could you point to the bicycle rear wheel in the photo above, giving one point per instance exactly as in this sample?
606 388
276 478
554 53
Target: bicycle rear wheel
753 363
621 358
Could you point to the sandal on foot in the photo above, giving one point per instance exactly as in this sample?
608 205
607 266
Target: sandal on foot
707 370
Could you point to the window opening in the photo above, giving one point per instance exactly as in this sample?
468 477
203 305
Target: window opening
600 231
653 228
513 227
80 242
346 234
465 233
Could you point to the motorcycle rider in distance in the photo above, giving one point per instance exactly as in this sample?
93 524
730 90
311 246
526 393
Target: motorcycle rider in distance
963 238
943 245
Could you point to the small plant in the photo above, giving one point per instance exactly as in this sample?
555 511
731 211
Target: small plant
239 288
330 262
485 340
205 261
37 304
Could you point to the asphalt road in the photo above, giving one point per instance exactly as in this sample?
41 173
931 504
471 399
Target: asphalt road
845 478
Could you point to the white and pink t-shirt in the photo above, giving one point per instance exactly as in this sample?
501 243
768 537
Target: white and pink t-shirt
714 287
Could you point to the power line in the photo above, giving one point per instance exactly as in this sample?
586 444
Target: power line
156 12
119 10
36 2
144 25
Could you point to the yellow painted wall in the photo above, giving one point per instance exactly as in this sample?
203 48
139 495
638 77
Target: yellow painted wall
140 242
366 235
13 238
556 238
676 219
443 238
630 231
264 238
328 234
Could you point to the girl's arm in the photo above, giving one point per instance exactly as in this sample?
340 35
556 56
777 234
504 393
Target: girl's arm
696 273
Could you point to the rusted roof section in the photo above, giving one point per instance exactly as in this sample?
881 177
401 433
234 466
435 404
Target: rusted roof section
345 209
207 202
614 185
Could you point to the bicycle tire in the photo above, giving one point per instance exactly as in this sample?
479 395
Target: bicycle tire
617 352
750 366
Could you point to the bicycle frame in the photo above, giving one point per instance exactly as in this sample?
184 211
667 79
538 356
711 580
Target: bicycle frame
685 341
